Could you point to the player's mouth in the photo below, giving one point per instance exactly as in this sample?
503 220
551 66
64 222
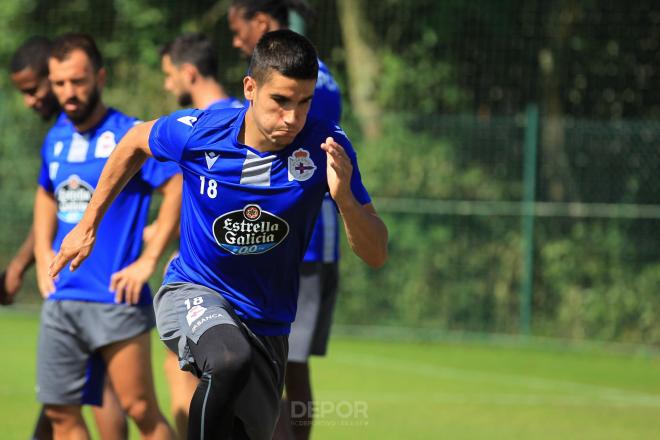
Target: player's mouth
285 136
71 106
288 131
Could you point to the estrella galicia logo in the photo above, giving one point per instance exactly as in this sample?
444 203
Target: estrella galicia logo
72 197
249 231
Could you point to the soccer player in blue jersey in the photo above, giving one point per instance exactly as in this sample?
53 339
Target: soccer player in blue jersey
29 74
254 181
190 65
104 309
249 20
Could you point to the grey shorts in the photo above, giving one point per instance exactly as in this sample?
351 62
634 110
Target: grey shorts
185 311
70 369
316 302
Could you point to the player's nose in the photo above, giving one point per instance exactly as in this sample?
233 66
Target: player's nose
290 117
68 91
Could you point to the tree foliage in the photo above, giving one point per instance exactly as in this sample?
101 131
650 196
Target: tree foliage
452 84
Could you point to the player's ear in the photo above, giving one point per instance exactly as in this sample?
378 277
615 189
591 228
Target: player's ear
249 88
100 77
189 72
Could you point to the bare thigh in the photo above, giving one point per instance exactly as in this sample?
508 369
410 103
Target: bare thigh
129 369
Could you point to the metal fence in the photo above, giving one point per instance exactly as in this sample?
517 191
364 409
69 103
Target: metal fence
517 171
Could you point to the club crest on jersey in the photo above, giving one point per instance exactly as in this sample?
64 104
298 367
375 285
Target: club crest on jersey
249 231
72 197
105 144
301 167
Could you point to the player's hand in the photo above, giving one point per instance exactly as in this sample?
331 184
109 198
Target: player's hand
5 298
339 170
76 246
45 282
13 278
11 281
127 283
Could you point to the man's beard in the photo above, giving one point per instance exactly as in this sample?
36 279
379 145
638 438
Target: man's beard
185 99
85 110
50 108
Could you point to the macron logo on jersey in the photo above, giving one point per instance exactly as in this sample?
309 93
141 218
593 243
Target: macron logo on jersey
211 157
187 120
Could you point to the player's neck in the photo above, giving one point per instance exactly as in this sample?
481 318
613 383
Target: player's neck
251 136
93 119
207 92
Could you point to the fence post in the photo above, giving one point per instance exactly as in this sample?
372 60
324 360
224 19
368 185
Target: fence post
529 194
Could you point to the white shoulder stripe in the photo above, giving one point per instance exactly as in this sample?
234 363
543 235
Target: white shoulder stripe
256 169
187 120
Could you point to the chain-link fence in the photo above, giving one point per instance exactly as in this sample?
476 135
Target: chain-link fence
516 162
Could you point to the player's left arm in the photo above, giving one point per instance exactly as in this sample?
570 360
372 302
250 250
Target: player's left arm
366 232
127 283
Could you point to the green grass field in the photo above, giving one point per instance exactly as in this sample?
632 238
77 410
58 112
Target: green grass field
370 389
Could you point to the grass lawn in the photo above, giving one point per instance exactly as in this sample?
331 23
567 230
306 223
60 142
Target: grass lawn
368 389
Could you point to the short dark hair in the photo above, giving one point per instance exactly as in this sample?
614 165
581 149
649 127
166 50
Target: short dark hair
33 54
286 52
67 43
195 49
278 9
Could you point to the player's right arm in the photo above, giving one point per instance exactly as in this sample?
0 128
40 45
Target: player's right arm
164 138
124 162
13 274
44 226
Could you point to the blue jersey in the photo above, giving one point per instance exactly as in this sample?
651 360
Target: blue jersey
61 119
326 104
247 216
225 103
71 166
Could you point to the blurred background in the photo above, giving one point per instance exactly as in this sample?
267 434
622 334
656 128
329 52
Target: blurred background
511 147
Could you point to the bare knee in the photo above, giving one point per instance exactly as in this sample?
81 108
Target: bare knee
66 420
139 410
61 413
171 365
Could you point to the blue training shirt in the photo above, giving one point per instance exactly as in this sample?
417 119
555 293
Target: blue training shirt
247 216
229 102
326 104
71 166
